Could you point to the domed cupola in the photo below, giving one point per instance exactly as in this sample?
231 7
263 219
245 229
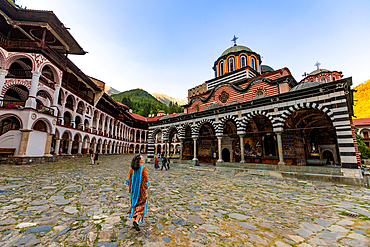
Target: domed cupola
321 75
235 58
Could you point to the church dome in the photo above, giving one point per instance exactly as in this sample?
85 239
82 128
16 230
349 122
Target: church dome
266 69
235 48
318 71
305 85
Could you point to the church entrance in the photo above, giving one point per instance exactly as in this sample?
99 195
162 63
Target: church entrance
226 155
328 156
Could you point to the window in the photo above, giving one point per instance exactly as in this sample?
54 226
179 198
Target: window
253 63
333 78
197 108
259 92
366 134
243 62
323 80
231 64
221 69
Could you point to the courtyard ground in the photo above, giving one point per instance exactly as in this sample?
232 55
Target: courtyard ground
72 203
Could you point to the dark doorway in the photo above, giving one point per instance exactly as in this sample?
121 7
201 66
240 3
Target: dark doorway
329 157
226 155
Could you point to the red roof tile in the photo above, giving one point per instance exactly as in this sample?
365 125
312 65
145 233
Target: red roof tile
361 121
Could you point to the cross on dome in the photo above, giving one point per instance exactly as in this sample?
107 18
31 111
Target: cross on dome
317 64
234 39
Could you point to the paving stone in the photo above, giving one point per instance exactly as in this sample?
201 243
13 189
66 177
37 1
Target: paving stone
166 239
194 219
257 239
8 221
38 229
180 222
282 244
303 232
323 223
38 208
107 244
353 242
238 216
330 236
25 240
70 210
336 228
25 224
246 225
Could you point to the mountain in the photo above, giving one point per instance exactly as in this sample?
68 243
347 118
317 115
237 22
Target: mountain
167 99
143 103
362 100
109 90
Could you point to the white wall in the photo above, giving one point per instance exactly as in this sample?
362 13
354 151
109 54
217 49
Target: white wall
36 143
11 139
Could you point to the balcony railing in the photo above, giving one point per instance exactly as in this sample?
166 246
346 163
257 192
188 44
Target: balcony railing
12 104
48 82
80 111
44 109
19 73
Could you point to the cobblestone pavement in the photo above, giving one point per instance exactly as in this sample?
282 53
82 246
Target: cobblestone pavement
71 203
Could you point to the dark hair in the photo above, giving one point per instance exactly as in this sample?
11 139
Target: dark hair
135 163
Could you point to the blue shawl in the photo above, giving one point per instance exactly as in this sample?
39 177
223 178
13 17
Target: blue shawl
135 190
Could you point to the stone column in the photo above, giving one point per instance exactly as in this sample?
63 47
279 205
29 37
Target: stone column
62 113
57 146
195 148
79 147
3 73
48 144
100 148
103 127
94 147
31 101
24 142
242 159
280 148
181 146
219 140
55 101
88 147
106 148
165 148
70 144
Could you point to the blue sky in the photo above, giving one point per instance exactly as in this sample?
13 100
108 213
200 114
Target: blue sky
170 46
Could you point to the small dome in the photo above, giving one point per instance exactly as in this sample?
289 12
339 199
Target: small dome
181 114
233 103
318 71
305 85
266 69
213 106
166 117
236 48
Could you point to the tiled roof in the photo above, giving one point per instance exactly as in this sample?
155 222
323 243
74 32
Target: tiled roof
361 121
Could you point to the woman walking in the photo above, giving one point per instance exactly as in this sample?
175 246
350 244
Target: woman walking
156 166
92 157
138 182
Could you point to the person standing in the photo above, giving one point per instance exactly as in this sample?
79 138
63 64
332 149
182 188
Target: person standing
96 158
156 166
138 182
168 162
164 160
92 156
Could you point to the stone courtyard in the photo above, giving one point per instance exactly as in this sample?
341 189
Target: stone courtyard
72 203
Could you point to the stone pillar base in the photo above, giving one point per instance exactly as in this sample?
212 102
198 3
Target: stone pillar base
220 161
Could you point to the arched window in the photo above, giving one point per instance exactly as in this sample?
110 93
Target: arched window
40 126
231 64
221 69
253 62
323 80
333 78
243 62
197 108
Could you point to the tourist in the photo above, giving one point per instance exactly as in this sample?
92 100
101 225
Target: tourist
164 160
92 156
96 158
138 182
168 162
60 150
156 166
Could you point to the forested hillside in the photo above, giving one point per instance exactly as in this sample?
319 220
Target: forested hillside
362 100
143 103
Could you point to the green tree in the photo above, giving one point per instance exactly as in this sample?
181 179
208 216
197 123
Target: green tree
362 148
